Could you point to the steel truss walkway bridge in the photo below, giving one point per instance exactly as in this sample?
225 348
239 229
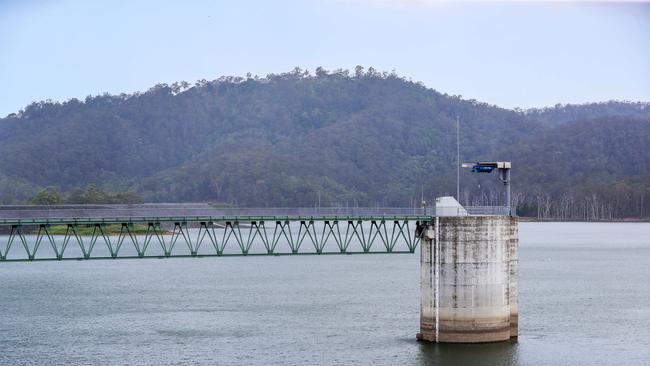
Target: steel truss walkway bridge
78 232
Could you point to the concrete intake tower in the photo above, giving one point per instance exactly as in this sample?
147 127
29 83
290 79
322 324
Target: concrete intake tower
469 279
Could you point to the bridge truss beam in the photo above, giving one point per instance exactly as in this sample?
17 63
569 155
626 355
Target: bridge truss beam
205 237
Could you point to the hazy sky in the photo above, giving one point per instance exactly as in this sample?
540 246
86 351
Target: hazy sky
509 54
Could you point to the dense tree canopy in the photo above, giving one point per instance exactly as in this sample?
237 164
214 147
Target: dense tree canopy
348 138
89 195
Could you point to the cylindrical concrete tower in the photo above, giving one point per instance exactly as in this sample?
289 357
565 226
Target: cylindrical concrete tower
469 288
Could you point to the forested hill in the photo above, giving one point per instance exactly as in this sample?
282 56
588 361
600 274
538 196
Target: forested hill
350 138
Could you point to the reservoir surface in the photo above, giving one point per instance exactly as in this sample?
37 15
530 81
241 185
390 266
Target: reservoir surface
584 299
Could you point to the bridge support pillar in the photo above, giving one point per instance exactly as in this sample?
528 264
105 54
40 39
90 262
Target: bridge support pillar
469 279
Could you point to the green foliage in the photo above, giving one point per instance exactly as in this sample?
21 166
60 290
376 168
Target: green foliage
90 195
46 196
15 190
348 138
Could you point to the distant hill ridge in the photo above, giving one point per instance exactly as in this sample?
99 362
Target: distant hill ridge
350 138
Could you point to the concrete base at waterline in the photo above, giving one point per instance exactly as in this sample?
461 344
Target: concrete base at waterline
469 280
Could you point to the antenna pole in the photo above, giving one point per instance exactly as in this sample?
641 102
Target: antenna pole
422 197
423 204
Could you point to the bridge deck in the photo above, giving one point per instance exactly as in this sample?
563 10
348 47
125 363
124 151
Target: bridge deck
107 214
199 219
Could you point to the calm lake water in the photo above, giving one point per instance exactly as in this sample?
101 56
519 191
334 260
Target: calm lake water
584 300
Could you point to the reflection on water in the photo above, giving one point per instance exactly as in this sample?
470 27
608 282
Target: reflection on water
502 353
583 300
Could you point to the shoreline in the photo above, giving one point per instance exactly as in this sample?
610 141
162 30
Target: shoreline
530 219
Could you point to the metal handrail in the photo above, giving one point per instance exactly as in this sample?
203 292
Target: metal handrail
80 212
